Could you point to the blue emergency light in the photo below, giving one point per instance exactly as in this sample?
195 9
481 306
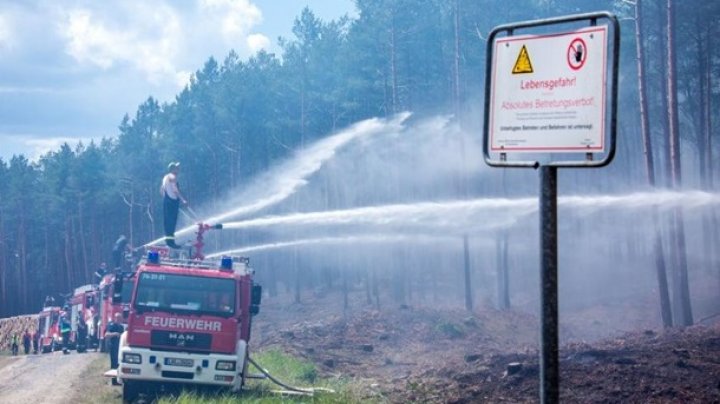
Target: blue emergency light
153 257
226 263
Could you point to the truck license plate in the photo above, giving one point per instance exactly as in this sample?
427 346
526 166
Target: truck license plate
188 363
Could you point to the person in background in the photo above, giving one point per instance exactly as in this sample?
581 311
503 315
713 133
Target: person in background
26 340
36 341
65 333
112 339
101 271
171 202
118 252
14 344
82 336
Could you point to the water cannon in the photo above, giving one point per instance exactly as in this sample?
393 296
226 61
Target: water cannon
202 228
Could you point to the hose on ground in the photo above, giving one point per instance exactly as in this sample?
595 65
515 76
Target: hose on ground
287 386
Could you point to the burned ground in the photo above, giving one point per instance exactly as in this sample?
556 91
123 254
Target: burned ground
403 354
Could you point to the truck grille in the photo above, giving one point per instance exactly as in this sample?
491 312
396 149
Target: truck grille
177 375
186 341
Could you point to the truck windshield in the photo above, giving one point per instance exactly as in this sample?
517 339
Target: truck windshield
183 293
127 289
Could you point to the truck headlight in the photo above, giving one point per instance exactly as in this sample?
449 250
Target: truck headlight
225 365
132 358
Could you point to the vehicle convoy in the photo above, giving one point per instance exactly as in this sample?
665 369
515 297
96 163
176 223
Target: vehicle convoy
49 329
189 322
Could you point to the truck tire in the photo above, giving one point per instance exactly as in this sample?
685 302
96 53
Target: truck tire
130 392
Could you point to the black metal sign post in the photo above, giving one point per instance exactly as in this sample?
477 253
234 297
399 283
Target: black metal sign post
508 135
549 338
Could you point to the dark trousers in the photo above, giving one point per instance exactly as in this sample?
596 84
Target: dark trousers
82 341
113 351
112 347
171 207
26 347
65 340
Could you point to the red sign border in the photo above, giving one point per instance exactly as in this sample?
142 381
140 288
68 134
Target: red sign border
502 149
570 47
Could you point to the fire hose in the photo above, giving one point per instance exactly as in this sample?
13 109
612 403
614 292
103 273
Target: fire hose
306 391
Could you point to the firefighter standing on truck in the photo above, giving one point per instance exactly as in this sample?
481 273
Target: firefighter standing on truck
112 339
171 203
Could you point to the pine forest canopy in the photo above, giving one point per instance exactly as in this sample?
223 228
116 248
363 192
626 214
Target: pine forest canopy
60 215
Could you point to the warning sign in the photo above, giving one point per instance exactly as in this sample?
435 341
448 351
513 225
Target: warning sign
561 106
522 64
577 53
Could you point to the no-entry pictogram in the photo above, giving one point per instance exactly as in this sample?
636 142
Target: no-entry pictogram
577 53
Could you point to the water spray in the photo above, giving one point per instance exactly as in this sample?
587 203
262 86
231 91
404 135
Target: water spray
292 176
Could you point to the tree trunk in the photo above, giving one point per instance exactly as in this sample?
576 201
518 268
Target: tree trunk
466 266
681 285
296 260
503 271
87 274
22 240
664 294
376 289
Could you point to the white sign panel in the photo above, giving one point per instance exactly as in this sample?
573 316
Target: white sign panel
548 92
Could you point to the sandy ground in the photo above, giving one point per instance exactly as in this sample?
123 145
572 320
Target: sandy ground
47 378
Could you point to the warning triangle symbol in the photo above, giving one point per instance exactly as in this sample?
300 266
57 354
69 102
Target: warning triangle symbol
522 64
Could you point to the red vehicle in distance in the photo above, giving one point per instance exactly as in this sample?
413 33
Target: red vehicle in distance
115 290
49 329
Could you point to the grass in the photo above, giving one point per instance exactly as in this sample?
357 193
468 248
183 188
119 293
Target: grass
289 370
451 330
95 387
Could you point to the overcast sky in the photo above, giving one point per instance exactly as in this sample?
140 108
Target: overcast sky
70 69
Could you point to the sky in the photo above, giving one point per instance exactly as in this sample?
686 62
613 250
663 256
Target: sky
71 69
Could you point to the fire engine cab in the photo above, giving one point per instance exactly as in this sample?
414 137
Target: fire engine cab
49 329
188 323
83 307
115 292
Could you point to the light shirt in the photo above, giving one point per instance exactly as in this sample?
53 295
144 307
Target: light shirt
169 186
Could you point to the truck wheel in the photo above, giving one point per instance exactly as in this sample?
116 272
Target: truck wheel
130 392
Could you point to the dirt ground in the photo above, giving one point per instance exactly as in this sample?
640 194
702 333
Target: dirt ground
43 378
408 354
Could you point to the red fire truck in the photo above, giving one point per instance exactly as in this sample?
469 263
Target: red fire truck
49 329
115 292
189 323
84 306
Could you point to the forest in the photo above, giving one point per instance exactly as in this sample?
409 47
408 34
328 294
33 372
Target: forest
237 119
